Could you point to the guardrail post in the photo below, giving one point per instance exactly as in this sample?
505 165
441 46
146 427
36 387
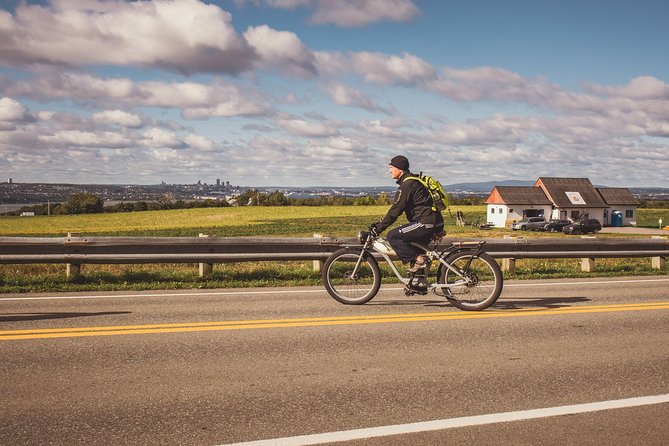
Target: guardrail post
658 262
318 264
73 271
206 269
588 265
508 265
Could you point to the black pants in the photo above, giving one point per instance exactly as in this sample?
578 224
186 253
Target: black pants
401 237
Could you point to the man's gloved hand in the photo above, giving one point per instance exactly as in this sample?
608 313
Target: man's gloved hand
373 229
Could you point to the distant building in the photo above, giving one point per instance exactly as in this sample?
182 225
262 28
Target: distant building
622 206
561 198
10 181
27 214
218 182
507 204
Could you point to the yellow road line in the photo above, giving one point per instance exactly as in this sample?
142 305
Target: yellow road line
71 332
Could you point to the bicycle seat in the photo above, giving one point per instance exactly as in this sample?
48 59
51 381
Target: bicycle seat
438 235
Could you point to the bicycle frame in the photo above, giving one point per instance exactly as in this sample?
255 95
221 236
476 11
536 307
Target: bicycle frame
368 247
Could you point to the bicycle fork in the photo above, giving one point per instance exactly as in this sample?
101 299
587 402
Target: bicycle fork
357 264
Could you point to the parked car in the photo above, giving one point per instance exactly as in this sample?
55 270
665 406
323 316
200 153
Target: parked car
583 227
554 225
528 224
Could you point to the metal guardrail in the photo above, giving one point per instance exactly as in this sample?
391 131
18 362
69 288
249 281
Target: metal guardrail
108 250
76 251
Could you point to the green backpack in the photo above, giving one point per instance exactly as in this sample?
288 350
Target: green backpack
436 190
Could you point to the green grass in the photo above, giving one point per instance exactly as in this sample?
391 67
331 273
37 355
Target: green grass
229 222
648 218
341 221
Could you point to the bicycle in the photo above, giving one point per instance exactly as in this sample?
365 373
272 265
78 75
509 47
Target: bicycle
467 276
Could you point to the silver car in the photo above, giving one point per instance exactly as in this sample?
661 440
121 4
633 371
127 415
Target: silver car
529 224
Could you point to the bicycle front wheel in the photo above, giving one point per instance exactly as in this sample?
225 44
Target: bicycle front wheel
348 284
478 283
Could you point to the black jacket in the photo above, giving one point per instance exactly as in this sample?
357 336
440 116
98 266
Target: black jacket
414 200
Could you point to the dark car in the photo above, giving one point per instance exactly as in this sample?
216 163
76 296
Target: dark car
554 225
528 224
583 227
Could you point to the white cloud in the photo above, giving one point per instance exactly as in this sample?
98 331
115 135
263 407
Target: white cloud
363 12
78 138
182 35
159 139
196 100
387 128
199 142
281 50
495 130
406 69
307 129
118 117
236 107
643 87
13 111
349 13
344 95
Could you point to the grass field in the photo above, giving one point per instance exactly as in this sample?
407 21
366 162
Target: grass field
343 221
225 222
244 221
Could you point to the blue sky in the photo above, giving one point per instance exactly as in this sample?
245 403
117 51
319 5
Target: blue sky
324 92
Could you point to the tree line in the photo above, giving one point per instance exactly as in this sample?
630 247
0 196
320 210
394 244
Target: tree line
86 203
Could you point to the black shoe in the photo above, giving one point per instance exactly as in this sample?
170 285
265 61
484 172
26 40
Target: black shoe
420 286
420 265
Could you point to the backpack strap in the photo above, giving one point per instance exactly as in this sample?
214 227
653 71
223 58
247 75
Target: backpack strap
425 185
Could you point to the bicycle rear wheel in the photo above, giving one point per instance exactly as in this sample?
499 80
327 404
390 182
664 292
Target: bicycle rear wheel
483 280
345 286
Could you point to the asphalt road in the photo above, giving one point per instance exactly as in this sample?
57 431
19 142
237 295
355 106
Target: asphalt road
213 367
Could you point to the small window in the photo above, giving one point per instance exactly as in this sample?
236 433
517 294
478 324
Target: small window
629 213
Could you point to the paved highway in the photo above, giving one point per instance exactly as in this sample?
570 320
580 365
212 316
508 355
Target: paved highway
554 362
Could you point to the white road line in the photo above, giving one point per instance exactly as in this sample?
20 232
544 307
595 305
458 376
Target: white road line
505 417
314 290
599 282
217 293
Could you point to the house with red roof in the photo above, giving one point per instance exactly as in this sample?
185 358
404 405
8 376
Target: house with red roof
561 198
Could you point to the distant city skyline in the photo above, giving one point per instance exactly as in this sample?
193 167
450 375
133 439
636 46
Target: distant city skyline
305 93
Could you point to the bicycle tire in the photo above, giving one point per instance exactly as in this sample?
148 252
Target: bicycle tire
486 275
351 290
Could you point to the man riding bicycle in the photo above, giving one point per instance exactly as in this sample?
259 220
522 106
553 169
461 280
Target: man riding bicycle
414 200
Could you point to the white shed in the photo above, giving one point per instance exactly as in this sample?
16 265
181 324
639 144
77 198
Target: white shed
622 206
507 204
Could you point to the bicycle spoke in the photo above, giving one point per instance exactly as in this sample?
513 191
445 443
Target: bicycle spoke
350 279
481 284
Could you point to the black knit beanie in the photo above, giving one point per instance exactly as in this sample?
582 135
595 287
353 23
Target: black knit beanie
401 162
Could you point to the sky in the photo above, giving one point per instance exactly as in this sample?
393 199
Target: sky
325 92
